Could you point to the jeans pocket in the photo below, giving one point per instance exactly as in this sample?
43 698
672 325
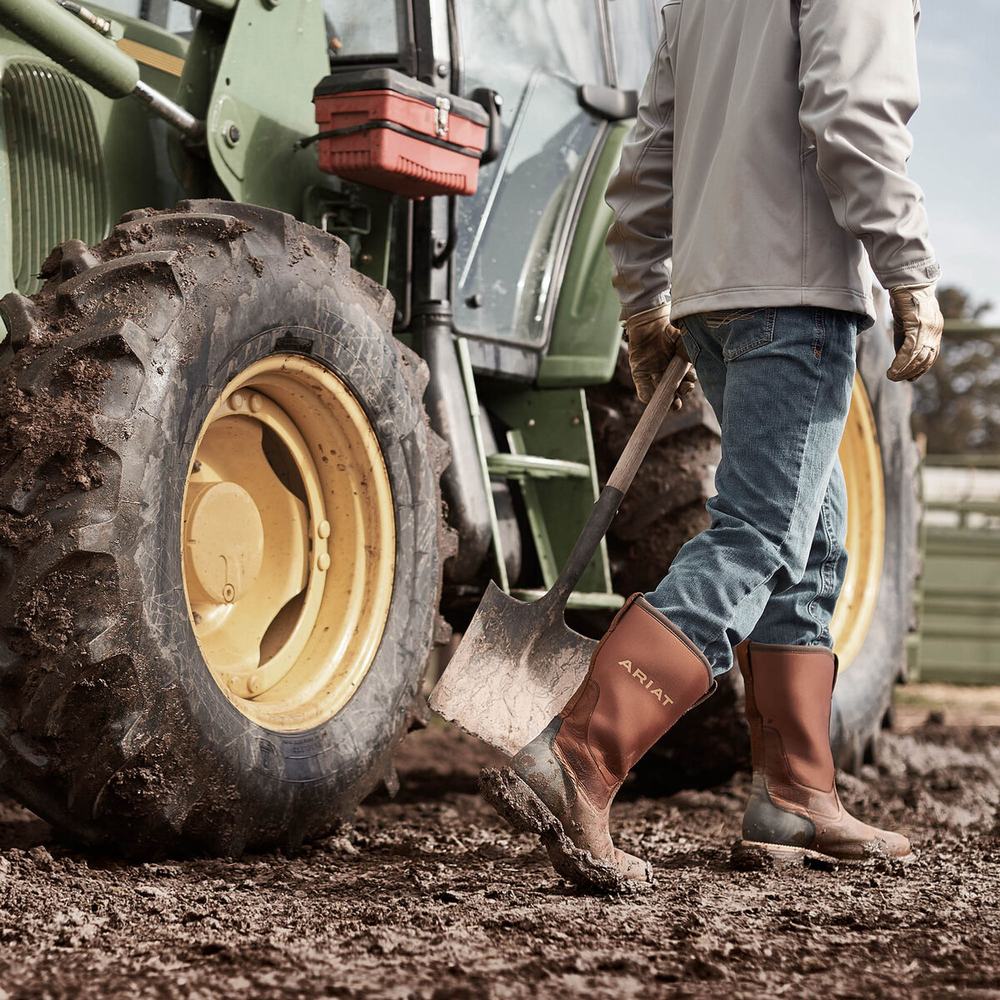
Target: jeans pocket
691 345
746 330
717 320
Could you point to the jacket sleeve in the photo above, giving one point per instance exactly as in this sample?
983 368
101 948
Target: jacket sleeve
859 86
640 195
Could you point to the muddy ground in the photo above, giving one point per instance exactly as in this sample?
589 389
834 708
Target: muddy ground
429 896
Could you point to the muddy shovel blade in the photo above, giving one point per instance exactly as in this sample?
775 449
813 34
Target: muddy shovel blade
513 671
518 663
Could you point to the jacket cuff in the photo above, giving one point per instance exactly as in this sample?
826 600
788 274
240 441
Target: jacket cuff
647 302
919 272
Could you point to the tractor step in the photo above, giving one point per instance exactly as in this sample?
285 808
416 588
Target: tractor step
578 600
520 467
550 457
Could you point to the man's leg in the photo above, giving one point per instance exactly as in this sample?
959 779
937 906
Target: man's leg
801 615
644 675
789 672
786 395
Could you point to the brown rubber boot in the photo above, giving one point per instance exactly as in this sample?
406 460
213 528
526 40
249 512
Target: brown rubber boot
794 810
644 675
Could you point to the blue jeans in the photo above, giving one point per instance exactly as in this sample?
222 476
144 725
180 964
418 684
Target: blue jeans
771 564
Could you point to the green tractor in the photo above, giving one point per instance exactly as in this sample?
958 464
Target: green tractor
265 438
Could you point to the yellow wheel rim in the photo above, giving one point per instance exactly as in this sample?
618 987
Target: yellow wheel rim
861 459
288 540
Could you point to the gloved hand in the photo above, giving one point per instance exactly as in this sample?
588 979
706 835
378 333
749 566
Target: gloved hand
917 327
652 343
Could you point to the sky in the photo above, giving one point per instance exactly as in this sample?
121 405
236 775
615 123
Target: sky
957 137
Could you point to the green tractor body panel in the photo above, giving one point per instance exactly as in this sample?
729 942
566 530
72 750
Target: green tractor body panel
585 333
73 160
261 107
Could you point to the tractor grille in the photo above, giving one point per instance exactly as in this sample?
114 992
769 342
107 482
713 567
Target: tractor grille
56 169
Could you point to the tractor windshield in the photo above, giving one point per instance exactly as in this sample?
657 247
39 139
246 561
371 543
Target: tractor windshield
366 30
535 54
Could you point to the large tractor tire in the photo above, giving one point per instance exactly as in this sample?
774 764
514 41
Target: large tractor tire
875 614
220 535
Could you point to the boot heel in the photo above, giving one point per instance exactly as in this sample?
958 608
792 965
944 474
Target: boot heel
516 802
749 855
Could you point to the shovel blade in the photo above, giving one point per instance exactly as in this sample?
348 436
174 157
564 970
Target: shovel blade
515 668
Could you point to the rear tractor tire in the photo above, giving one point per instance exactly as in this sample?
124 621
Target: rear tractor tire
220 534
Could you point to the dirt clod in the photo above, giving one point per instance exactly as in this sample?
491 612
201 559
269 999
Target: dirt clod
50 429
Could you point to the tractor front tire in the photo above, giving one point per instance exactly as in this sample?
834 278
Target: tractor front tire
222 337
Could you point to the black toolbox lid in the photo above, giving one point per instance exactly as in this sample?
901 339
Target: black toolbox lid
383 78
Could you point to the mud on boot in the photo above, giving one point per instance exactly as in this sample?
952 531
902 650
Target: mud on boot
644 675
795 813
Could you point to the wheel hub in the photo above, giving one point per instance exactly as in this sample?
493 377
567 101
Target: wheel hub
286 466
224 542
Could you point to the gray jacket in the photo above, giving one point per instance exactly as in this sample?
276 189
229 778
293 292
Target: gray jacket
769 154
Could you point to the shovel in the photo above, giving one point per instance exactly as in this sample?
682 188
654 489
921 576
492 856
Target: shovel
519 662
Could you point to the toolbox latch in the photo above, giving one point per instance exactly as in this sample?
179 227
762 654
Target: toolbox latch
441 119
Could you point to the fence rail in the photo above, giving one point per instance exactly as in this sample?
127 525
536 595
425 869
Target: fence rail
960 600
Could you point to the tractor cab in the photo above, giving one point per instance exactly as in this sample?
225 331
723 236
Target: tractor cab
555 79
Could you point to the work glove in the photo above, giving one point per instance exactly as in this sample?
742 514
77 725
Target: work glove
652 343
917 328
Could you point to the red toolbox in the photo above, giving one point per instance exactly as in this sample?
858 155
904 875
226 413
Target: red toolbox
383 128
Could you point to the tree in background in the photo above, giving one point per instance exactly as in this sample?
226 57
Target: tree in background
957 403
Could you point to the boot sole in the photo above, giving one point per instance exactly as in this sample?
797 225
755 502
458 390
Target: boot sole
785 856
514 800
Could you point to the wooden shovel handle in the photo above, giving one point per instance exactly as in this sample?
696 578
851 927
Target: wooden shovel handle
606 507
649 423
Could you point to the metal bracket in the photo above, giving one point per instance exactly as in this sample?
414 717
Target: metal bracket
348 218
469 380
609 103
